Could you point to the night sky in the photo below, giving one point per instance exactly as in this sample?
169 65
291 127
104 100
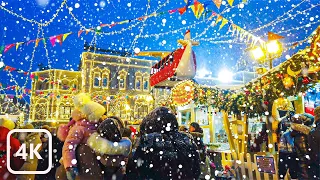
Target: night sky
223 51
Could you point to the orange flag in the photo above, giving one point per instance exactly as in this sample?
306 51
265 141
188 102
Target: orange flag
217 3
37 42
273 36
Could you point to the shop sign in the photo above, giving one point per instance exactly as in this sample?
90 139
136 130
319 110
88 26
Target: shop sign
266 164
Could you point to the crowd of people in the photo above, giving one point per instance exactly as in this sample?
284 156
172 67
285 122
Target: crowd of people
299 147
94 146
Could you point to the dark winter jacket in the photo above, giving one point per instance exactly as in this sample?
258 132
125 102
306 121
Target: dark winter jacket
171 155
88 166
15 162
56 156
197 137
314 145
300 134
286 144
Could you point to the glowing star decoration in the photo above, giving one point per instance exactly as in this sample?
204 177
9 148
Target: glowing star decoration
183 93
287 82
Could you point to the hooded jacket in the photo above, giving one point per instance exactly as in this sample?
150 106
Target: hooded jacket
16 162
166 156
78 134
30 164
314 145
286 144
300 134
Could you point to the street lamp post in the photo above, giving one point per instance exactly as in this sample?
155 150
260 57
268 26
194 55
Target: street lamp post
272 50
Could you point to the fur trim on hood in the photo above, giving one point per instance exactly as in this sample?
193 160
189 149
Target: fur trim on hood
104 146
196 134
301 128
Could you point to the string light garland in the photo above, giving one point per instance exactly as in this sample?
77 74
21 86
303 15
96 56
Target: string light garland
47 23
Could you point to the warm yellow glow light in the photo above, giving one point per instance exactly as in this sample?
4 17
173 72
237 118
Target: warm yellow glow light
273 47
127 107
258 53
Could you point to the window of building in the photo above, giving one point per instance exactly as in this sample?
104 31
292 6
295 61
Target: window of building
145 83
140 111
96 79
122 79
138 81
105 78
65 111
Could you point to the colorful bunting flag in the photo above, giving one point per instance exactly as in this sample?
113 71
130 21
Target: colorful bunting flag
80 32
30 42
1 49
53 40
18 44
224 22
230 2
182 10
219 18
172 11
273 36
7 47
59 38
217 3
37 42
65 36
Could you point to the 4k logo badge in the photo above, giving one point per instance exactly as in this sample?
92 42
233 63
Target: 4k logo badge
33 151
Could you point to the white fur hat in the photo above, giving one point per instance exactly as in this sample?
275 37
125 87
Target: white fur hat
81 99
93 111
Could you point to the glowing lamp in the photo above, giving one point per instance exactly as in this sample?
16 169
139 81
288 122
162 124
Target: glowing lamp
257 53
273 47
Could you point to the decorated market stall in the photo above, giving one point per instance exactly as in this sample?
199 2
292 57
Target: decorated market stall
267 98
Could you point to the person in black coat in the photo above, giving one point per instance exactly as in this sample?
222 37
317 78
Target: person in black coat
300 129
314 145
164 152
56 155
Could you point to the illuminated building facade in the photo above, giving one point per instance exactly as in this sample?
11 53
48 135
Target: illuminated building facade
51 96
120 84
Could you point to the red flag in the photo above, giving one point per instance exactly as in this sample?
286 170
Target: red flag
7 47
59 37
172 11
182 10
80 32
273 36
12 69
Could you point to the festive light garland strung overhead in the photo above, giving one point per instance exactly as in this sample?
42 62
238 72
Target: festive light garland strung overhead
279 17
47 23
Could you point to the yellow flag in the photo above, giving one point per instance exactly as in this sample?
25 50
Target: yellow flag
224 22
193 10
65 36
230 2
18 44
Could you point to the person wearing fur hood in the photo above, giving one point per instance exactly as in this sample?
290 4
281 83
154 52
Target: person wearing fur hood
301 126
29 164
111 148
85 119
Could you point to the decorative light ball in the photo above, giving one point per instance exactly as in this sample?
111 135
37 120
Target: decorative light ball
288 82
